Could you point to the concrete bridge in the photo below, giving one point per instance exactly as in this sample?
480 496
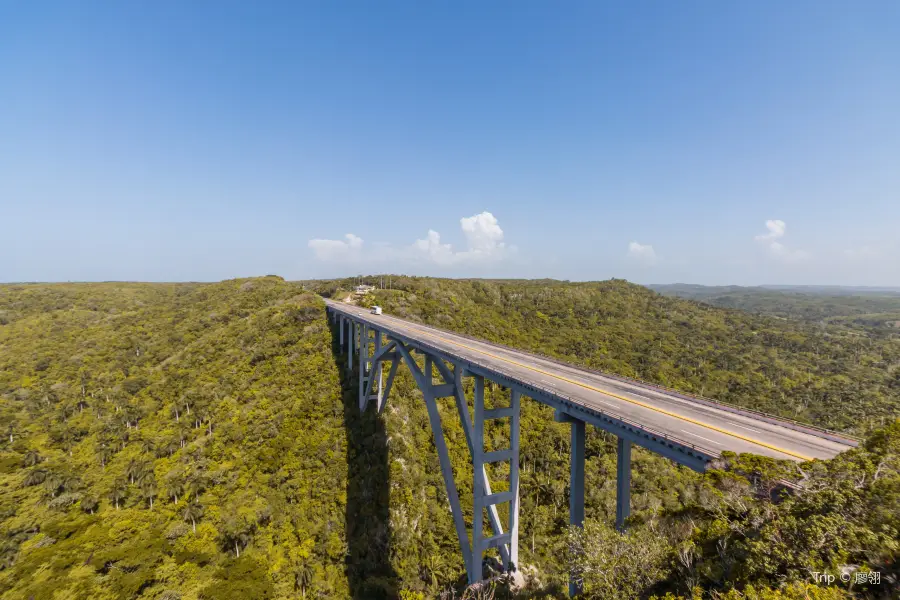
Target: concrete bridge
691 431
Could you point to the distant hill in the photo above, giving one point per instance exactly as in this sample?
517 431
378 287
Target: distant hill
690 290
836 290
875 311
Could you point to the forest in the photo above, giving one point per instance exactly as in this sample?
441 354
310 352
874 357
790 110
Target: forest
875 312
202 441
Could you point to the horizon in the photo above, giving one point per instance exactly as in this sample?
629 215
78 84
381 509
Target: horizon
652 286
732 145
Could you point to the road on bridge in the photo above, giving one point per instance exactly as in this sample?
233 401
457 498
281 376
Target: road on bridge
700 423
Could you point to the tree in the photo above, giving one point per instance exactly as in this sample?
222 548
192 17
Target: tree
35 477
89 504
118 493
615 565
174 485
32 458
148 489
135 470
192 512
237 532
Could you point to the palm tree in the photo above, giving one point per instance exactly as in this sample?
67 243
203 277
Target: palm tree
192 512
55 483
89 504
148 489
236 533
303 578
117 494
35 477
148 445
135 470
104 452
174 486
32 458
195 485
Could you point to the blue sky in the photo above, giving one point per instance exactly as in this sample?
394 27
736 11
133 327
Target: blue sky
698 142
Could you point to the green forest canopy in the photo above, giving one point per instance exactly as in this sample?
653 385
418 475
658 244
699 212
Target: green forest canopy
875 312
199 441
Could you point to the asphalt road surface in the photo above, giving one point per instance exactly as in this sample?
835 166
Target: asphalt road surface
707 427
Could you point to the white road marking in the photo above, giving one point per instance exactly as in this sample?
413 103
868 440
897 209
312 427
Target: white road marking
742 427
701 437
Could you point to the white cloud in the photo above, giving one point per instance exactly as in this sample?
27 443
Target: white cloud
484 244
777 229
432 248
483 233
643 253
337 250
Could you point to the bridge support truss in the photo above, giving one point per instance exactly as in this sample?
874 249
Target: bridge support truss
441 380
443 376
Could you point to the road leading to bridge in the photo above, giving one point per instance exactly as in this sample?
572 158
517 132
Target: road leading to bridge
699 423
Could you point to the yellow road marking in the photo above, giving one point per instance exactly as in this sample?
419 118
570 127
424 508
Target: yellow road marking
623 398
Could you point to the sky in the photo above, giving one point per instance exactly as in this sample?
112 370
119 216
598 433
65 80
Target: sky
713 143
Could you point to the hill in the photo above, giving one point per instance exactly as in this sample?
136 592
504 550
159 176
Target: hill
170 441
871 310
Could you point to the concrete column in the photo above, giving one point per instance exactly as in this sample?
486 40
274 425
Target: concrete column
623 483
341 338
576 487
377 369
363 359
351 339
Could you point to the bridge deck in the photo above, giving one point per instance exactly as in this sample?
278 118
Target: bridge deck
694 422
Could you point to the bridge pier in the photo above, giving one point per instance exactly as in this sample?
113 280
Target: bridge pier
623 482
576 487
351 334
363 358
576 481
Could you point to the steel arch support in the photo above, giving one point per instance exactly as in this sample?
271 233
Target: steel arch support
396 350
434 418
462 407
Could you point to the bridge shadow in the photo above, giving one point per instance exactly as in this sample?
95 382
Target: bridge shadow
367 525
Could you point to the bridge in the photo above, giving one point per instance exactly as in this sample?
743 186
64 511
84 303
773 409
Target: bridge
689 430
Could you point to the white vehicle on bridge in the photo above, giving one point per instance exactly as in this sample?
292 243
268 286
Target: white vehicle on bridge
376 310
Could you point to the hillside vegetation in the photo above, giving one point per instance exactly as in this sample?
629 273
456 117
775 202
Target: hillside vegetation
874 312
169 441
202 441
